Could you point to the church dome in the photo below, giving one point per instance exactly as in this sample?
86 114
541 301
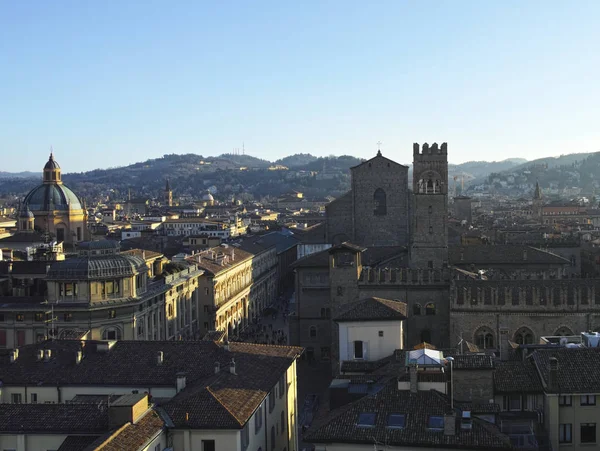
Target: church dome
208 196
48 197
25 213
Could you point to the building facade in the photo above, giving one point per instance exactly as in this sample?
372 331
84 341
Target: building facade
104 294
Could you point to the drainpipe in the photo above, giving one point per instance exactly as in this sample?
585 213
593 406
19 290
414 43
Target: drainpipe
266 428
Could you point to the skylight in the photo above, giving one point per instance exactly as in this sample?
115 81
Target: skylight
396 420
435 422
366 420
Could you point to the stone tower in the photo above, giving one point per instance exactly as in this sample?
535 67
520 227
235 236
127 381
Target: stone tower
429 248
168 195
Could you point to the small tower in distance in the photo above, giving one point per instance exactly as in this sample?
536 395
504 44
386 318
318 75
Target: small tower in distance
26 219
537 202
168 195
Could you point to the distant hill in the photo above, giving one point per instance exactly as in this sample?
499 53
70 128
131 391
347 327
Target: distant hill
297 160
566 176
19 175
244 160
483 168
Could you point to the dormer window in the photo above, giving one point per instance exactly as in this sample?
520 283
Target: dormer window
435 423
366 420
396 420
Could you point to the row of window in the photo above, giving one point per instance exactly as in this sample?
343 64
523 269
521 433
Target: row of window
584 400
429 309
587 433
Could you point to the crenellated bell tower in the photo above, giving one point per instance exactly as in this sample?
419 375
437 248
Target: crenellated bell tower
429 247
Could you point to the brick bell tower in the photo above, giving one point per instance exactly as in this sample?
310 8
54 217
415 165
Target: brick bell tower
429 247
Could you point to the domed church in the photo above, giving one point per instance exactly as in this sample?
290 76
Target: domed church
55 208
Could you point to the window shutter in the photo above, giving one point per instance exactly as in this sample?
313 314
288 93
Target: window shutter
350 350
365 350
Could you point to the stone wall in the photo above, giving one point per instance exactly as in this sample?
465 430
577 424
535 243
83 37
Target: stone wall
473 385
339 219
384 226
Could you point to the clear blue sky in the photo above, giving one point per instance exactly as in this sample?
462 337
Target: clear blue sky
108 83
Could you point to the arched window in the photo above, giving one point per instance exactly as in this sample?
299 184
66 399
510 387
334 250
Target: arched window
429 186
524 336
484 338
312 332
563 332
416 309
430 309
111 333
380 202
425 336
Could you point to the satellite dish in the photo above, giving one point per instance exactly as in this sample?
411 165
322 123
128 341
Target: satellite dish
564 341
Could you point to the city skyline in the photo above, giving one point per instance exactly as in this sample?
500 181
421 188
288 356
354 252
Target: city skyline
110 85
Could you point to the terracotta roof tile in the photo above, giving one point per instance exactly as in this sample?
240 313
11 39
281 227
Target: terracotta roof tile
374 309
516 377
340 426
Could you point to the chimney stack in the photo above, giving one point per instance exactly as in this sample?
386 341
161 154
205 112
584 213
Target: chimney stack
181 381
40 354
553 375
414 381
79 357
159 358
503 344
217 367
47 354
14 355
226 345
232 367
449 424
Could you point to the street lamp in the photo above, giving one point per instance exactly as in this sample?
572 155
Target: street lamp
451 359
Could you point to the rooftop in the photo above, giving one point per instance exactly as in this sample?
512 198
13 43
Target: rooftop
578 369
343 425
374 309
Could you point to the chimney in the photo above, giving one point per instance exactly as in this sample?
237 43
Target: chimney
414 381
217 367
40 354
14 355
553 375
524 254
449 424
504 344
226 345
159 358
78 357
181 380
232 367
47 354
